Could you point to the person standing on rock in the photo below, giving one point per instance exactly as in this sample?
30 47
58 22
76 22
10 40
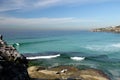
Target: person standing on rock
1 37
2 42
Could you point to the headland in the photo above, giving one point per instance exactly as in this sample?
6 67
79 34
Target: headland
115 29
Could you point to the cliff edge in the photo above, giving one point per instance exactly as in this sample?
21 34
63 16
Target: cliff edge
13 66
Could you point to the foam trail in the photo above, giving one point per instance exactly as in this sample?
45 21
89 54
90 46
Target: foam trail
78 58
116 45
43 57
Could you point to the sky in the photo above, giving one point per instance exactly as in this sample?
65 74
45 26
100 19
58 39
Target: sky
58 14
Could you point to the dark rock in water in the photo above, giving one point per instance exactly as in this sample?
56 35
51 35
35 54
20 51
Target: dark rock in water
13 66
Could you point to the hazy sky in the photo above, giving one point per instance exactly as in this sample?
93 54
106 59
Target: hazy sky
58 14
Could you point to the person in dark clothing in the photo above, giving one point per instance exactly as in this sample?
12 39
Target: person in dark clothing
2 42
1 37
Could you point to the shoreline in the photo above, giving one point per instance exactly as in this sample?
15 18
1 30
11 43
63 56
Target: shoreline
66 72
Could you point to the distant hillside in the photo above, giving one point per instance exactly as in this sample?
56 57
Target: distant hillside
115 29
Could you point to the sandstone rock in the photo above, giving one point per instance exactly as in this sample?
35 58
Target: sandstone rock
72 73
35 68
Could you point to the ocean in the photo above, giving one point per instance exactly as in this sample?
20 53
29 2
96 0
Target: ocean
99 50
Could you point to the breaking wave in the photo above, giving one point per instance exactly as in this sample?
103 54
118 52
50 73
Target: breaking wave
116 45
78 58
43 57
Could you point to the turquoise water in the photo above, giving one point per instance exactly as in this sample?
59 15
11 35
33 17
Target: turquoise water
98 50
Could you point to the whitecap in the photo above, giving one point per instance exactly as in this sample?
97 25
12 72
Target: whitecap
43 57
17 44
78 58
107 47
116 45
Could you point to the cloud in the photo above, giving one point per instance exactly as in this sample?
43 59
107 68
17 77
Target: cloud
30 21
8 5
44 3
43 23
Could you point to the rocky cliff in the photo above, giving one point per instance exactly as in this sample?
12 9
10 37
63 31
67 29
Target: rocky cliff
13 66
115 29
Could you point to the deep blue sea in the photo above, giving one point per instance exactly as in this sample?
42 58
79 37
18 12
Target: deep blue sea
100 50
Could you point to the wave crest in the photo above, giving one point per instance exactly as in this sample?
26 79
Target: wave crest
43 57
78 58
116 45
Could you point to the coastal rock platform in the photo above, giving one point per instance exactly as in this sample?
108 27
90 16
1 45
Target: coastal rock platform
66 72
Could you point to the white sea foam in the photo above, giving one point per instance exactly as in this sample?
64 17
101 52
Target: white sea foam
78 58
107 47
116 45
94 47
17 44
43 57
